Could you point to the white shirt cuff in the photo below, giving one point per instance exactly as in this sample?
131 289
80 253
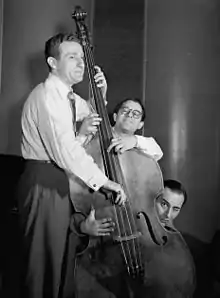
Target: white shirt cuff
98 181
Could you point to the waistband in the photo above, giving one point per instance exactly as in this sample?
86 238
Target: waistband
38 162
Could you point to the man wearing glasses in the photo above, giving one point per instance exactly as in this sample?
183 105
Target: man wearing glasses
129 116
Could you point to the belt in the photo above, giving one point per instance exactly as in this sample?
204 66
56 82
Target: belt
39 160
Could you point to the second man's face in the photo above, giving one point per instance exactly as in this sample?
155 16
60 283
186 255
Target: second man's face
168 206
70 65
128 118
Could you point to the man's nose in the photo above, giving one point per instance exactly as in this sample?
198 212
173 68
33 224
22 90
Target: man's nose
130 114
168 214
80 62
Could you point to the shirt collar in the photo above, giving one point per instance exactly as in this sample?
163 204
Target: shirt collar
60 85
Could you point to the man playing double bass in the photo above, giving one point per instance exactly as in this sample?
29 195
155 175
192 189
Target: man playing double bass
53 152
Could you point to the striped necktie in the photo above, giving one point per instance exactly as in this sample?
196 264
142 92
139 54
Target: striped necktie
71 98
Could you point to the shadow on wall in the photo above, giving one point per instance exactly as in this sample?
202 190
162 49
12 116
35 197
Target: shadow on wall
14 128
37 69
36 72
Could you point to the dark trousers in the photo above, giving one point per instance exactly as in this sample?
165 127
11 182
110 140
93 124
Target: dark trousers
45 210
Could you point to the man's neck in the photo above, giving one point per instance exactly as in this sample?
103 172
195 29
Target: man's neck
62 80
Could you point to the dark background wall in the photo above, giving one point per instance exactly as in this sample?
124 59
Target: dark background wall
118 46
167 53
183 101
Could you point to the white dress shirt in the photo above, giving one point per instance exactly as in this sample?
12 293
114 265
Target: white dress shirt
149 146
47 131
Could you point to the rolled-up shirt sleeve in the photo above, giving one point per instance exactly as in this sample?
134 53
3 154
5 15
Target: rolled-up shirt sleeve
57 134
149 146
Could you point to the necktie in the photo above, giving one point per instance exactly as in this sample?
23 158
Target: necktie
71 98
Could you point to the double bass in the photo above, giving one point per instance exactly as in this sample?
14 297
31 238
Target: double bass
141 258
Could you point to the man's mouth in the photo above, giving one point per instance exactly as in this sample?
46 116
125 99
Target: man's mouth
164 221
79 70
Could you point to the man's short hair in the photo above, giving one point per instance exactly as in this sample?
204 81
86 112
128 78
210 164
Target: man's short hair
52 46
119 105
177 187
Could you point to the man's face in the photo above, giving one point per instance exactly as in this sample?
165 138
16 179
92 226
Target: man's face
168 206
128 118
70 65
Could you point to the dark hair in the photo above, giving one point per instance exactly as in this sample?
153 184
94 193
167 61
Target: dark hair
119 105
177 187
52 46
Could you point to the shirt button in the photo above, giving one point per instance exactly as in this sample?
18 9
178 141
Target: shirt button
94 185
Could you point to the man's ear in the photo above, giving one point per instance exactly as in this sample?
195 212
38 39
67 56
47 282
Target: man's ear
52 62
140 124
114 117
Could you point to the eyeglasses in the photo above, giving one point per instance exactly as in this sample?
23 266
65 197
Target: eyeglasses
135 113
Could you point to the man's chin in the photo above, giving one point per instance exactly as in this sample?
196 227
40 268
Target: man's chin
77 79
127 129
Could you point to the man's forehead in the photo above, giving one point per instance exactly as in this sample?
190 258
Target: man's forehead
132 104
71 47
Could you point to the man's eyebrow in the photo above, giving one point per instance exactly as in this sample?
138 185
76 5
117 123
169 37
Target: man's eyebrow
131 108
74 53
164 200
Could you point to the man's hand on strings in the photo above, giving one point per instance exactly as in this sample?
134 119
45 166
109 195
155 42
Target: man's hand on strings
90 124
116 188
97 227
122 144
101 81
